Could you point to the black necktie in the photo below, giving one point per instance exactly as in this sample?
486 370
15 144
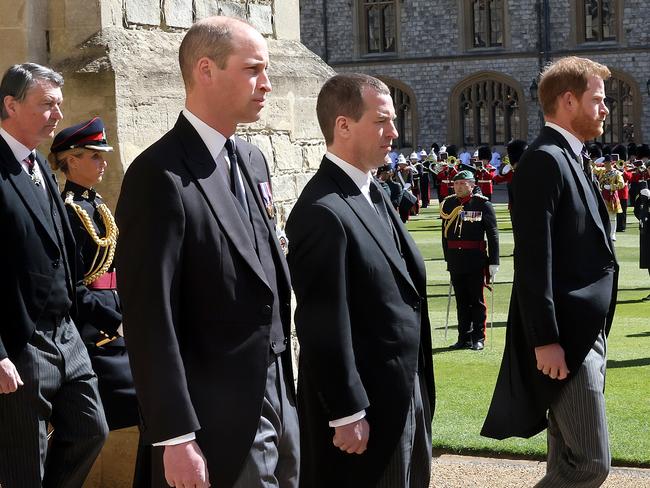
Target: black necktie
586 162
380 207
30 161
235 187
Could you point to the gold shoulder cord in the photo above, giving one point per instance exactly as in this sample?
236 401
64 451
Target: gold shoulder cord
451 218
106 244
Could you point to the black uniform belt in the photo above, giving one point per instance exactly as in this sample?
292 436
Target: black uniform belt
466 245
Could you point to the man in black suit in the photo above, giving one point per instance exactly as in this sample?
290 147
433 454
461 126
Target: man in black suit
365 382
204 284
45 372
564 291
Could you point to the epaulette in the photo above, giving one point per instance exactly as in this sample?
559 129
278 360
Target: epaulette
448 197
479 195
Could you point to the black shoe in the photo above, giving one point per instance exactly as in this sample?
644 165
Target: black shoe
478 346
646 299
461 345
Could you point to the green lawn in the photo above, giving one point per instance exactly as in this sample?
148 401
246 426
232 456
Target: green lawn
465 379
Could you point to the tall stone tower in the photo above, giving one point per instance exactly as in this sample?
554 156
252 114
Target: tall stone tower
120 61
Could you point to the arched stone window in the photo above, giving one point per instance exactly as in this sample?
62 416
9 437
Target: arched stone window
378 26
622 125
487 109
487 23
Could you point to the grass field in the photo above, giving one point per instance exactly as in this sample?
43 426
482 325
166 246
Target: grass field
465 379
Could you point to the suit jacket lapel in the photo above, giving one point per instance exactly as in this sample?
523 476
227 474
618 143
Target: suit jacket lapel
25 188
203 168
585 185
368 217
247 169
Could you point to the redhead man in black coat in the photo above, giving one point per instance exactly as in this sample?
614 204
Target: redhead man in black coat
563 295
365 382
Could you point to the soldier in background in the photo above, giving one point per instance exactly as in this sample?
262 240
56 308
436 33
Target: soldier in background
515 149
623 193
485 171
468 219
642 212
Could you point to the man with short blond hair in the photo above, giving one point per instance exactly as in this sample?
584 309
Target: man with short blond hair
204 282
564 291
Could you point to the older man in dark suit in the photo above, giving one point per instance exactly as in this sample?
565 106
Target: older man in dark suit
564 290
204 283
45 372
365 383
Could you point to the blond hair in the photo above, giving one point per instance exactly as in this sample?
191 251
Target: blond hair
211 38
570 74
59 161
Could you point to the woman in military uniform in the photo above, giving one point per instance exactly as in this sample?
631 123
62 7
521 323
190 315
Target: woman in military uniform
78 152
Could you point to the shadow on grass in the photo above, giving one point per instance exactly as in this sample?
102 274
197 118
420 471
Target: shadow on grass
628 363
623 302
454 325
642 334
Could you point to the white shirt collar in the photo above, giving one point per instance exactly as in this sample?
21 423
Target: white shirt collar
360 178
212 138
574 142
20 152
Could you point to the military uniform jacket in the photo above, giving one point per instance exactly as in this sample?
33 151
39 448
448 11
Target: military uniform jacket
363 326
564 287
476 222
642 212
100 315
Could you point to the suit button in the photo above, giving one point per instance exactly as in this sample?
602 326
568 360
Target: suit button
56 263
266 310
416 306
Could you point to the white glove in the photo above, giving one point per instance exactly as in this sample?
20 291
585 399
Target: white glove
494 269
645 192
606 187
506 169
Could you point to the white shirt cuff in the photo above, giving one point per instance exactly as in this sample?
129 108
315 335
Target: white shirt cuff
348 420
176 440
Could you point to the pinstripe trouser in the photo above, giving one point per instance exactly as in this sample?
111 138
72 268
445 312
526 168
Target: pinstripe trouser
61 388
578 441
274 458
410 464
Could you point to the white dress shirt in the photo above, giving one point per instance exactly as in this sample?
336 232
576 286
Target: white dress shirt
363 181
574 142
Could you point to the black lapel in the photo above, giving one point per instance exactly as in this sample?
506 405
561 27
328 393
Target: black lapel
244 152
352 196
583 183
25 188
211 183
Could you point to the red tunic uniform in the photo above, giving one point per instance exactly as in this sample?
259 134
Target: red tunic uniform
445 185
484 177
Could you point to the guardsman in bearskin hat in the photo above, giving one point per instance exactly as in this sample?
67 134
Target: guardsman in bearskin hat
642 212
515 149
639 173
424 178
468 219
623 193
78 152
485 171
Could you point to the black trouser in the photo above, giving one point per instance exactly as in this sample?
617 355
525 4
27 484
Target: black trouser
621 219
470 305
424 190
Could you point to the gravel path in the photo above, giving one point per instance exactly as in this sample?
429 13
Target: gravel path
449 471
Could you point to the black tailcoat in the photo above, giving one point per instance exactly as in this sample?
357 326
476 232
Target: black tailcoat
363 326
196 301
564 287
31 285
